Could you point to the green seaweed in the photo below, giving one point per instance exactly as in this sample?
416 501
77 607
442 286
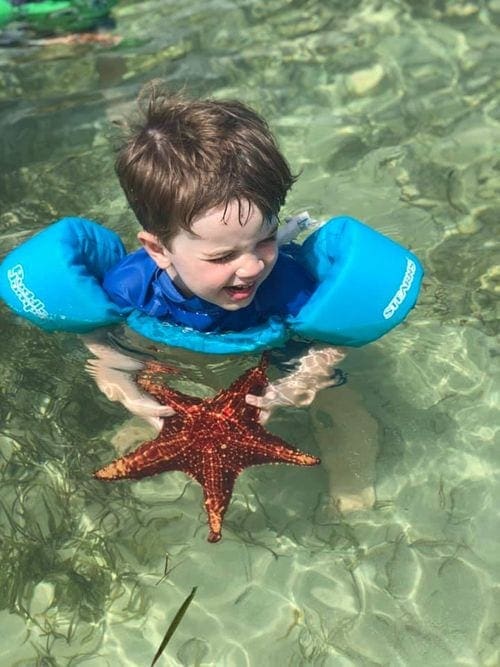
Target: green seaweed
173 625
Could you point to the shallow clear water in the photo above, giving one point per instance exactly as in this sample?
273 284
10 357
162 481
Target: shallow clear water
391 110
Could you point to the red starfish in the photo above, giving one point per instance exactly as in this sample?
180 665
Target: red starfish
212 440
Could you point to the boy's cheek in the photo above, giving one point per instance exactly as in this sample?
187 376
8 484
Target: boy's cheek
208 279
273 258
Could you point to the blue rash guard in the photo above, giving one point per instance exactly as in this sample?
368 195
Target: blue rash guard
136 282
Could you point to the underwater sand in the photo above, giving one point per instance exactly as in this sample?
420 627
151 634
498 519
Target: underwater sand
391 112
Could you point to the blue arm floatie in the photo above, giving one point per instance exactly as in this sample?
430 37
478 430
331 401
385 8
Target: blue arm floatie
54 278
367 284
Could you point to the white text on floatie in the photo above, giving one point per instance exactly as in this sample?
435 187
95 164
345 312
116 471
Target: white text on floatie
402 291
30 302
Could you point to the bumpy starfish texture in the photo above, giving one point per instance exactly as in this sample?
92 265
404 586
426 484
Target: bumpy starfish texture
212 440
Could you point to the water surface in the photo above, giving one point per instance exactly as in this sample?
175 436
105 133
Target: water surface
391 112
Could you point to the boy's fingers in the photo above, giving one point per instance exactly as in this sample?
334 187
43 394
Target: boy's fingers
117 385
256 401
264 416
112 358
259 402
146 407
262 402
156 422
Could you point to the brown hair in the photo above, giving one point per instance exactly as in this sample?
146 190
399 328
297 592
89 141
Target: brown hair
184 157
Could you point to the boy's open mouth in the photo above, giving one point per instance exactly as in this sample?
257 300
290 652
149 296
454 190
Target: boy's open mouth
240 292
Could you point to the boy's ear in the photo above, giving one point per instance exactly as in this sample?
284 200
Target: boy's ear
155 249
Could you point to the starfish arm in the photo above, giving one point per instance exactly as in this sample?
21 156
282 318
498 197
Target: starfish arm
171 450
263 447
232 400
154 366
217 480
163 393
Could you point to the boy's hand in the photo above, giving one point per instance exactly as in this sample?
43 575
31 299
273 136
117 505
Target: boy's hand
111 372
316 371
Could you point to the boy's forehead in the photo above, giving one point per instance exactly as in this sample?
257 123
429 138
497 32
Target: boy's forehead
240 209
241 213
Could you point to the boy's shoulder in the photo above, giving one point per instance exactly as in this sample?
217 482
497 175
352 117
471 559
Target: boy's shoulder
288 286
128 282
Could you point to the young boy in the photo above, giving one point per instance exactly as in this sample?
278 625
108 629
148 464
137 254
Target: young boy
206 181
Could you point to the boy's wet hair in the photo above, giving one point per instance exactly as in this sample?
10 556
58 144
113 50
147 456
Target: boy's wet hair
184 157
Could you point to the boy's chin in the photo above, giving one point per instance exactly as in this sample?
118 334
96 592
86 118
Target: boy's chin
236 304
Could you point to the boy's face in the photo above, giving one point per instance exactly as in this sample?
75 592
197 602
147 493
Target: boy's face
225 256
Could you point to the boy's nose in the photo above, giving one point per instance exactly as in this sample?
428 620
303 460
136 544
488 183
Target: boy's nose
250 266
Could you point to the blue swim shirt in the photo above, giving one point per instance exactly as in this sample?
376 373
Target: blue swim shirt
138 283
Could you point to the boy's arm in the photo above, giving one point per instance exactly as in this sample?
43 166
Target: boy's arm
314 372
316 368
113 374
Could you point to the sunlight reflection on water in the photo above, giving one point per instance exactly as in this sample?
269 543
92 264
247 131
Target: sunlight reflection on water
392 115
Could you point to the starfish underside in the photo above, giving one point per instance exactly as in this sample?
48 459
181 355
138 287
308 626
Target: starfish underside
212 440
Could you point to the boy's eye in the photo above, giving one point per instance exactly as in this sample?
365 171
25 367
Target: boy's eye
270 238
231 255
221 260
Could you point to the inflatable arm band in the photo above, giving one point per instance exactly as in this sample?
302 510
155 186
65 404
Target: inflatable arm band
54 278
367 284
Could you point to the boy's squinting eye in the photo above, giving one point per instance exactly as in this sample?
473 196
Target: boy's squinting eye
231 255
221 260
272 237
